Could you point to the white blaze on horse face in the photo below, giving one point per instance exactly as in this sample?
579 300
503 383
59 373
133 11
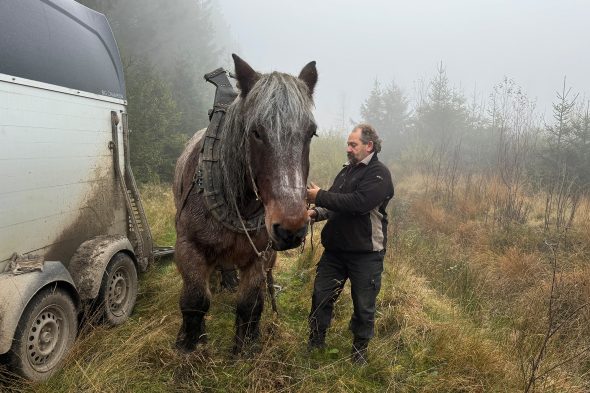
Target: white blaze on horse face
290 183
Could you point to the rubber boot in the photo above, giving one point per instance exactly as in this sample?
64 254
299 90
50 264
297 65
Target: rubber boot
359 351
317 340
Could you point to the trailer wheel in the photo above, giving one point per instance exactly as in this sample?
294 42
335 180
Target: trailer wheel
118 290
46 331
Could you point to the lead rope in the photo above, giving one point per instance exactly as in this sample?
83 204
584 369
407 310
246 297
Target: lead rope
254 187
259 254
311 222
266 272
253 182
311 234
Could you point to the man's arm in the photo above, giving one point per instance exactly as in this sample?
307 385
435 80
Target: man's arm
316 213
375 188
321 213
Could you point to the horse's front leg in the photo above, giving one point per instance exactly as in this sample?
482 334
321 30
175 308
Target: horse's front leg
250 305
195 298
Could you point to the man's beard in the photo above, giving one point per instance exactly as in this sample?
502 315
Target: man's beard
351 158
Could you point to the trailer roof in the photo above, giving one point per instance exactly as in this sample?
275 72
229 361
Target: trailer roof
60 42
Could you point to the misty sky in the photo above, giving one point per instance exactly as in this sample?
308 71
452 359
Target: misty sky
534 42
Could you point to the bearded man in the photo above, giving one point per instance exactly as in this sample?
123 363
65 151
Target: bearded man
354 240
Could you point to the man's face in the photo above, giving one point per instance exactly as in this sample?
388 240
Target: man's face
357 150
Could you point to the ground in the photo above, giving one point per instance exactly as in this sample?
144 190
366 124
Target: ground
462 309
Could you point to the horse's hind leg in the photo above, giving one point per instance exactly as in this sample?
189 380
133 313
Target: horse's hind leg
250 305
195 298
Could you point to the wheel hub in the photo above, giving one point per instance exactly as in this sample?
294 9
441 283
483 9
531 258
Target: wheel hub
44 337
118 291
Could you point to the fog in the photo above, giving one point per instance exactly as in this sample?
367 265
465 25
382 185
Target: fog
534 42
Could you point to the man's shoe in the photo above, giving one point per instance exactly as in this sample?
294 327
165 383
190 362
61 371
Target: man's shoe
359 351
313 346
317 340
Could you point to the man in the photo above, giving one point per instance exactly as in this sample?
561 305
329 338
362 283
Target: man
353 238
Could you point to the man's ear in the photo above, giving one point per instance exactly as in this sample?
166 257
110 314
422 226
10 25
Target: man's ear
370 147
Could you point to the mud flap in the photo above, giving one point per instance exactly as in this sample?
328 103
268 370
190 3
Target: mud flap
91 259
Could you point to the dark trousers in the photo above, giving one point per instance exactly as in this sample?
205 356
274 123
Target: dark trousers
334 268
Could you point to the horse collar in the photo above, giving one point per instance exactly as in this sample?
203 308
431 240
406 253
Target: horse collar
208 174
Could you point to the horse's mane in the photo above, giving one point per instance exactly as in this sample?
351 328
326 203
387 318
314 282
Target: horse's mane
280 104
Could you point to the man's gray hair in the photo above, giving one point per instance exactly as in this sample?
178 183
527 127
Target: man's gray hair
368 134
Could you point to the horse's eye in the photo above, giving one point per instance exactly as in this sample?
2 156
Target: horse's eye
256 134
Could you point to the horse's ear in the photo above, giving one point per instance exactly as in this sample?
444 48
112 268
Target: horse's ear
245 75
309 75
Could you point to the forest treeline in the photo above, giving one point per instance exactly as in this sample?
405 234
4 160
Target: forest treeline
166 49
500 140
493 209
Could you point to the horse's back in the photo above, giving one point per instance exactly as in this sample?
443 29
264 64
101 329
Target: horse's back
186 165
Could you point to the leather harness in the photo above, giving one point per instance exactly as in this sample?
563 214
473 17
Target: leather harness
208 176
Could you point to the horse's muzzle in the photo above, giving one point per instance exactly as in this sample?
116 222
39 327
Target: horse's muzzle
284 239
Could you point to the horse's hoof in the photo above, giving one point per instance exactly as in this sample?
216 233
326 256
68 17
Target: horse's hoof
185 349
247 350
184 344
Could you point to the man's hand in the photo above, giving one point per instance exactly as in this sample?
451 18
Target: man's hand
312 192
312 214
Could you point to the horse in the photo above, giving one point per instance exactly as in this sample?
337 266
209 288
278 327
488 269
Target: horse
262 172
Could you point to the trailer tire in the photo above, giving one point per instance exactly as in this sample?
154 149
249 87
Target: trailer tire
45 333
118 290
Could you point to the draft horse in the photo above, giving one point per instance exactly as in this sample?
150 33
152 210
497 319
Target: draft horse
258 172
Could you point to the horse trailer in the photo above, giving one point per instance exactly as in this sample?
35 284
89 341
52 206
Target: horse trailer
73 234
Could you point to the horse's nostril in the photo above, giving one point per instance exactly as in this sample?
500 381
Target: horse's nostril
301 232
280 232
287 235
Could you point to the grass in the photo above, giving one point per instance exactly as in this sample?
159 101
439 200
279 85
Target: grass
462 309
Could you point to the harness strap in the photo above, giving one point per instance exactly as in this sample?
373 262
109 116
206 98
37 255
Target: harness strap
224 96
216 118
207 175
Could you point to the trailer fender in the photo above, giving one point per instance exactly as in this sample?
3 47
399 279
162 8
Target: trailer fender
16 291
88 264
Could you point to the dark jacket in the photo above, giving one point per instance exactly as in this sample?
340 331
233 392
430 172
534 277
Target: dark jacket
355 207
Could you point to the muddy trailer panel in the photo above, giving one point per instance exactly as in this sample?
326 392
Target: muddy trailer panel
58 185
73 234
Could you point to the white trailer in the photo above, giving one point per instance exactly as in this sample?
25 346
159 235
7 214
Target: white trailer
72 230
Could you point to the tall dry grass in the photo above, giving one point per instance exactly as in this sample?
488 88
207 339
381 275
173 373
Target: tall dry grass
158 204
501 276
